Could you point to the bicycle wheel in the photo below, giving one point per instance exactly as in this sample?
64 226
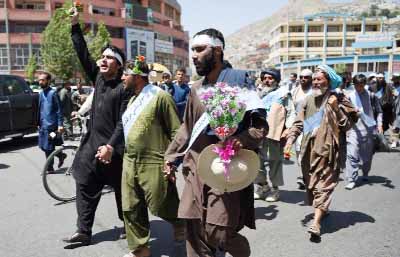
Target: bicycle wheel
57 176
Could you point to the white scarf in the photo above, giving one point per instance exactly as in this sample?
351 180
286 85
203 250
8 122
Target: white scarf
139 104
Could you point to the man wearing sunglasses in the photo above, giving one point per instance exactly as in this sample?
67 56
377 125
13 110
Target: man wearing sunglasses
299 95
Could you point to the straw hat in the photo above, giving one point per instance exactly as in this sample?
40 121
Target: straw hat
243 169
156 72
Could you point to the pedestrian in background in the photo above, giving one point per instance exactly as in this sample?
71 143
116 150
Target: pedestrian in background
181 91
50 119
65 95
396 123
299 95
360 138
280 116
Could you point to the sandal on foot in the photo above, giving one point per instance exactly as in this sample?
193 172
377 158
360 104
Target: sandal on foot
314 230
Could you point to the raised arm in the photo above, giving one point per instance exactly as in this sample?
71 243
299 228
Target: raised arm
89 65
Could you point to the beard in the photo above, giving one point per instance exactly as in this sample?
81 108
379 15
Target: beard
206 66
317 92
43 86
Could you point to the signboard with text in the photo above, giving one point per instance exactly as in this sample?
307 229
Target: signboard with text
162 46
139 42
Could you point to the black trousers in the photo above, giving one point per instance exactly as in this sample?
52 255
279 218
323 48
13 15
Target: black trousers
88 197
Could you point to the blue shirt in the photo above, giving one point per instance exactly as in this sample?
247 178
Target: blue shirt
180 94
50 109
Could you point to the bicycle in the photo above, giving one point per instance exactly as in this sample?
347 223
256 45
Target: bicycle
59 183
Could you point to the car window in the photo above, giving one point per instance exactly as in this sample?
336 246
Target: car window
12 86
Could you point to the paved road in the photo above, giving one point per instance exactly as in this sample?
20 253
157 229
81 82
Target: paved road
363 223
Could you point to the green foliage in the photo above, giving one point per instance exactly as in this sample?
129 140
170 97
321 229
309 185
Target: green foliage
385 13
31 68
96 43
59 56
364 14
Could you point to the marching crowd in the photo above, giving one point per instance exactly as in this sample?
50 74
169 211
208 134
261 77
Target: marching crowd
139 133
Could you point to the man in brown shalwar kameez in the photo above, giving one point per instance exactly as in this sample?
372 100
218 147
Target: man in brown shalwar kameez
213 218
323 116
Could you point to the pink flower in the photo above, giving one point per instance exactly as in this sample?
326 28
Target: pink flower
225 154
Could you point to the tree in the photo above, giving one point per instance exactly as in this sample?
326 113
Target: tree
96 43
58 54
364 14
373 10
31 68
385 13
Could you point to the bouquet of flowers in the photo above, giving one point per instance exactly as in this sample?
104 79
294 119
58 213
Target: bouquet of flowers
225 111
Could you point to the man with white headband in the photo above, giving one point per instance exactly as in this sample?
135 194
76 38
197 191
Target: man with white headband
213 218
150 123
99 159
323 116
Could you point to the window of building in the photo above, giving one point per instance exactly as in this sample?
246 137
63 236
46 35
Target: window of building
354 28
27 28
2 3
58 5
162 37
115 32
334 28
19 56
282 44
382 67
334 43
296 29
296 43
283 29
137 12
314 28
2 27
315 43
36 52
36 5
177 17
104 11
3 57
136 2
169 11
155 5
349 42
371 28
295 57
138 48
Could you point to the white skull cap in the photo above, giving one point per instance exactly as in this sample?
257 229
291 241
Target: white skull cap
306 72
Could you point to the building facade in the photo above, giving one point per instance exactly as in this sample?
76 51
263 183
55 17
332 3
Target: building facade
361 44
147 27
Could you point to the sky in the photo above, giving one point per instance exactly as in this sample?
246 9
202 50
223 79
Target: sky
227 16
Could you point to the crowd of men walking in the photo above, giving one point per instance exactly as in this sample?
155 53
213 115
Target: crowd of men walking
139 133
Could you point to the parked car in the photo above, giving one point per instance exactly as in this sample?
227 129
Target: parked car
18 107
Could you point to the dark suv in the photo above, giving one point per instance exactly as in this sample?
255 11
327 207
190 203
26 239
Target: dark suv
18 107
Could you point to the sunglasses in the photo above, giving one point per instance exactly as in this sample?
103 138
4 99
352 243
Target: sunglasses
305 77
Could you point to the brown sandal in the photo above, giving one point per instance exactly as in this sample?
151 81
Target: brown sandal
314 230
